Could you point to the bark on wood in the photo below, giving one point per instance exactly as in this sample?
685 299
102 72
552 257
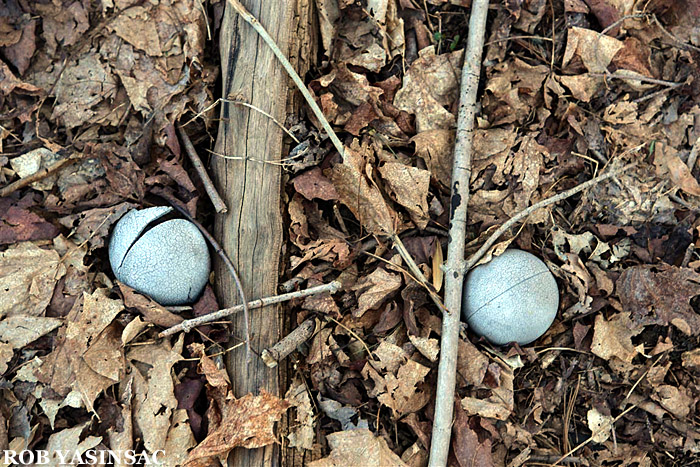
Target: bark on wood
251 232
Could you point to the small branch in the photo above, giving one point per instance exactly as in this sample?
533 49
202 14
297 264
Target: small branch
526 212
38 175
283 348
229 265
250 19
620 21
216 200
640 78
416 273
693 156
190 324
454 274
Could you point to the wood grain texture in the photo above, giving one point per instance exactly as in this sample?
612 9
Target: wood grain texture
251 232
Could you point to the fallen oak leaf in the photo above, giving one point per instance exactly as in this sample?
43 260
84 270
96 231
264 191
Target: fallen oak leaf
358 447
661 294
359 193
247 422
612 339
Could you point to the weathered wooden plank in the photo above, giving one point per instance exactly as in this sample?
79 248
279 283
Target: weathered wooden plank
251 232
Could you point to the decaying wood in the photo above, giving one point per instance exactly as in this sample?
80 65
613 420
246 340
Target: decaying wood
251 232
283 348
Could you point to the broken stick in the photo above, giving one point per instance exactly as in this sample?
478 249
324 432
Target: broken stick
216 200
283 348
190 324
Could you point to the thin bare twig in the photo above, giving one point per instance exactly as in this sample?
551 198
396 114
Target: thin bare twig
250 19
229 265
693 156
291 341
38 175
216 200
636 77
622 20
526 212
454 273
190 324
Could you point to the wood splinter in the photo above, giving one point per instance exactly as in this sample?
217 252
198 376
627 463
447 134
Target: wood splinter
287 345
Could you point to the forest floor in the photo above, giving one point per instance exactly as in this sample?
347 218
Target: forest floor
91 97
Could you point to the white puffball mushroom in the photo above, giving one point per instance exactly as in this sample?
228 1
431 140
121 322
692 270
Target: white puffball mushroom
512 298
166 259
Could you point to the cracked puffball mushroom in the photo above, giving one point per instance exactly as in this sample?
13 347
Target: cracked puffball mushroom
512 298
164 258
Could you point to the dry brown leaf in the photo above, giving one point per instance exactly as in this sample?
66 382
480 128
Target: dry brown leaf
409 187
19 331
154 400
500 404
375 289
136 26
600 425
358 447
583 87
328 15
612 339
84 85
357 191
216 377
398 389
691 359
492 148
312 184
28 275
246 422
93 225
661 294
468 450
88 357
428 347
595 50
515 91
302 434
435 147
180 440
69 441
471 364
150 309
429 86
19 224
679 401
669 164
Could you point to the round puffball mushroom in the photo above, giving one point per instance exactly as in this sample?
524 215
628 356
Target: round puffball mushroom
512 298
166 259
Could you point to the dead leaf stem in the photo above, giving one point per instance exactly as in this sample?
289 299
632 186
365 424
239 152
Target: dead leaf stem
454 273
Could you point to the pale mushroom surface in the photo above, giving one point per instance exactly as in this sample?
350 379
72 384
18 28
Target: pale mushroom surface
167 261
512 298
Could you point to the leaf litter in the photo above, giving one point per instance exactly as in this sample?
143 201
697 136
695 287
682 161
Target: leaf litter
569 88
